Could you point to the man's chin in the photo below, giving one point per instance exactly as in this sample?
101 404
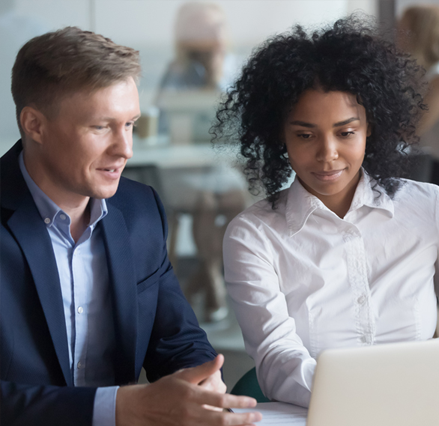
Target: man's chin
103 193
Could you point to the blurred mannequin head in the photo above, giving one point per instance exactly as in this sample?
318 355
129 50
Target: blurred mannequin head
421 23
201 36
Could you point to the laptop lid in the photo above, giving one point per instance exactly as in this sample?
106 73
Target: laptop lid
385 385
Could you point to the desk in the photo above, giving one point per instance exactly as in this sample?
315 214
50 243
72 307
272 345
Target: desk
182 168
167 156
185 170
162 154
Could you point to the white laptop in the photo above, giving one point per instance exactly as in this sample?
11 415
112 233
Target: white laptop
384 385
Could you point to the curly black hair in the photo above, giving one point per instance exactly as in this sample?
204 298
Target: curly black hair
351 56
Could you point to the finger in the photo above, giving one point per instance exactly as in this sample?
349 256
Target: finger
196 375
209 407
217 399
231 419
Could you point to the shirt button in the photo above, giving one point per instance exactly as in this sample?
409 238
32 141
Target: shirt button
47 221
80 310
364 339
62 216
362 300
79 365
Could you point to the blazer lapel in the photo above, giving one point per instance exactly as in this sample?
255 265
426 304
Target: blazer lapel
123 282
31 233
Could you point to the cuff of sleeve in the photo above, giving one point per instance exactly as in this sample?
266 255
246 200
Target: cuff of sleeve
104 411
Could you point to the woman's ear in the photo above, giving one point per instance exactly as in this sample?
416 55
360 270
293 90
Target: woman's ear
369 130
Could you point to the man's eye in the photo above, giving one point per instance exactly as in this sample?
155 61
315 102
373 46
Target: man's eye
98 127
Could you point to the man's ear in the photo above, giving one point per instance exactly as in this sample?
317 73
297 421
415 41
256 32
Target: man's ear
33 122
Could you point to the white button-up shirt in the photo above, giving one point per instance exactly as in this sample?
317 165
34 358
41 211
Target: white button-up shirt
301 279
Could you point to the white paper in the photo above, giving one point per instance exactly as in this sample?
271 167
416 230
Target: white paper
278 413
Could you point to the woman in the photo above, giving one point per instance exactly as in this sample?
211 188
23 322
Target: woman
421 25
212 195
348 255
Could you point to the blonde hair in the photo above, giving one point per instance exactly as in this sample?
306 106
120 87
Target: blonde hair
422 22
58 63
200 24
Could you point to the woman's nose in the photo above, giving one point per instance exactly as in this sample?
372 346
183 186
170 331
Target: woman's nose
328 150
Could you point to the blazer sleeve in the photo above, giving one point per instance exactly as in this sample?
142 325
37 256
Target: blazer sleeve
177 341
30 405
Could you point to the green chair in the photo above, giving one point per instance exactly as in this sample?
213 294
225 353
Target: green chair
248 385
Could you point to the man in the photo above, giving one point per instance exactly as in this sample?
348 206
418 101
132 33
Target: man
88 295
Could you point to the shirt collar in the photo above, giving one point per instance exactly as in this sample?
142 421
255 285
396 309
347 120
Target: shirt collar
370 194
49 210
301 204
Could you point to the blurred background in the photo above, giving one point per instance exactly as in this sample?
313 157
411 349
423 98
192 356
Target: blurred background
191 52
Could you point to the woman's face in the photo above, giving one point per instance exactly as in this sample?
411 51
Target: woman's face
325 135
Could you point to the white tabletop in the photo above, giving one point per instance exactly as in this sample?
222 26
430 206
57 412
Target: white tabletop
170 156
278 413
158 151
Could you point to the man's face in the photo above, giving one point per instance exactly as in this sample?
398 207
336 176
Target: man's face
85 147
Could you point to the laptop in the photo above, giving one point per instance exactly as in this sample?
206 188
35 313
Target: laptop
384 385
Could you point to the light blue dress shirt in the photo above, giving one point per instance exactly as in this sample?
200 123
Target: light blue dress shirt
85 288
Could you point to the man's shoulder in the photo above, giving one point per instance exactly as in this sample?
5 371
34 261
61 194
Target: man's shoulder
133 196
9 160
128 187
13 186
132 188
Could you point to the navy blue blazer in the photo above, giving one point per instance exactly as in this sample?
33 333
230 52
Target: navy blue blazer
154 324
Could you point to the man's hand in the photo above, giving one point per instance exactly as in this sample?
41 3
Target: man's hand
182 399
215 382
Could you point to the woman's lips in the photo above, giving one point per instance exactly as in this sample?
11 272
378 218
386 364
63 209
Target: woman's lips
328 176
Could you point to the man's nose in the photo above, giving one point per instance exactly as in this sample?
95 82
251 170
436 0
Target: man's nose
123 143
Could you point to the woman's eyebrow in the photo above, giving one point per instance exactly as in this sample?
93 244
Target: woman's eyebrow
302 123
310 125
343 123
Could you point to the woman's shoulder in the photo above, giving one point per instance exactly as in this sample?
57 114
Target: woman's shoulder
413 188
417 196
261 214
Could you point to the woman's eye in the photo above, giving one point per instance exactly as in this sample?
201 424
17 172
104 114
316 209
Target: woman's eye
304 135
346 134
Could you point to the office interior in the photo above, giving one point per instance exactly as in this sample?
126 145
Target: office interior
191 52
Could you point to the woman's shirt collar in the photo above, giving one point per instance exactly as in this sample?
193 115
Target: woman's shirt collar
301 204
